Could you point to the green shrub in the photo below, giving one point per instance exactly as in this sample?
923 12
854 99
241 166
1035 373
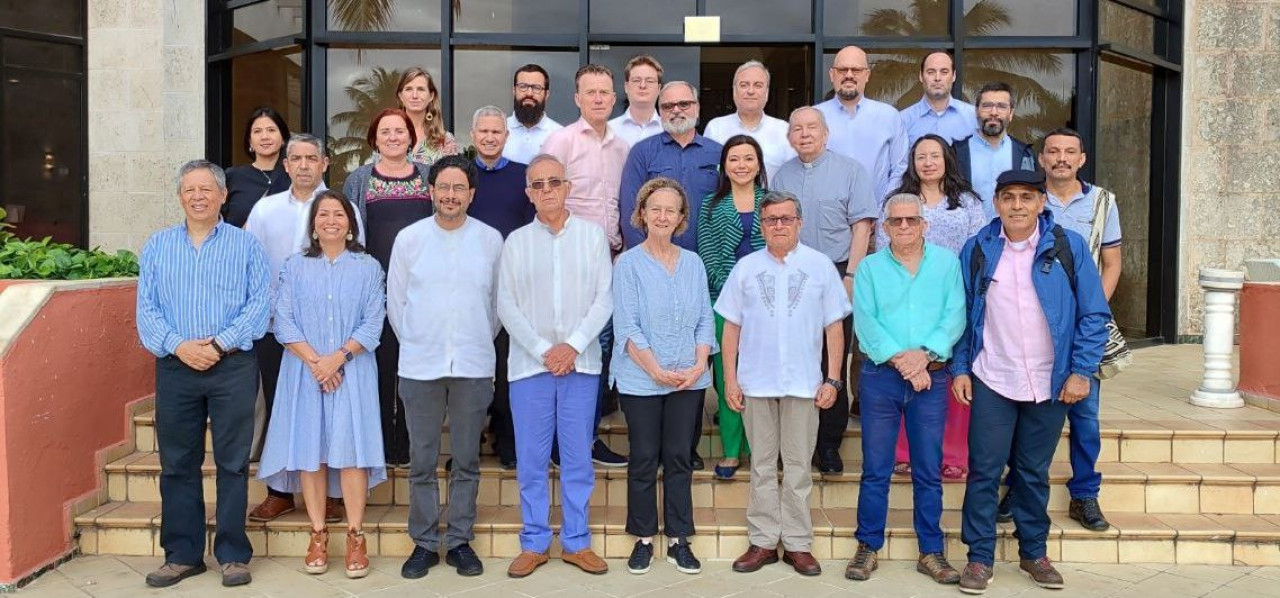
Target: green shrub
46 260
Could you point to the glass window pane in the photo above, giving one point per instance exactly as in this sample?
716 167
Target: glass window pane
362 82
1043 85
385 15
745 17
471 93
790 78
1127 27
59 17
1020 17
679 63
1123 165
657 16
43 55
885 17
42 163
266 20
895 76
272 79
516 16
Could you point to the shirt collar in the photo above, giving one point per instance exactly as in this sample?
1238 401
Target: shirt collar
514 123
502 163
1031 241
819 161
982 141
925 107
585 128
667 138
291 197
655 119
547 228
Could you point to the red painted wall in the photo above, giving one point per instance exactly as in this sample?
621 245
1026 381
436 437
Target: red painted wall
1259 340
65 387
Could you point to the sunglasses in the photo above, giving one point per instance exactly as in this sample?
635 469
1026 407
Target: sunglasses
546 184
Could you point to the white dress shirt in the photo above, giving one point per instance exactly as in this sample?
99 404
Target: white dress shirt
771 134
441 299
524 143
782 307
555 288
631 131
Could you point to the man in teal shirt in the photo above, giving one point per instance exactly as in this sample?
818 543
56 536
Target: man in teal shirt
908 310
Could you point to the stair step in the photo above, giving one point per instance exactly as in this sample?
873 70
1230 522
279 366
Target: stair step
132 528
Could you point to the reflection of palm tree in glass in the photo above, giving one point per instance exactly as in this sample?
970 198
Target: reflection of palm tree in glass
896 78
368 94
369 15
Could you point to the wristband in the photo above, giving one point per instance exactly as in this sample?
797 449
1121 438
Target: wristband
217 348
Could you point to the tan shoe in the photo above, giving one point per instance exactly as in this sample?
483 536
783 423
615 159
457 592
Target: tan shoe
526 563
587 561
274 506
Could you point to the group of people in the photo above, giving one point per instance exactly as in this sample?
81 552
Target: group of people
636 256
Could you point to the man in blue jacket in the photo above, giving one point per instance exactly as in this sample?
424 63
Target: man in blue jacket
1036 330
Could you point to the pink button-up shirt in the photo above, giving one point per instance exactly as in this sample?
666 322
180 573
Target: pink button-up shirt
1016 359
595 169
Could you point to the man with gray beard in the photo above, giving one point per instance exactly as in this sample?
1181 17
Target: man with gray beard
991 150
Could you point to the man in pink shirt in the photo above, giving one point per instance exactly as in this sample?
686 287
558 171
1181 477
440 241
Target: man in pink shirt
1036 329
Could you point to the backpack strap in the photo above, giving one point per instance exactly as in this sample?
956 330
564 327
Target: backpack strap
977 267
1062 252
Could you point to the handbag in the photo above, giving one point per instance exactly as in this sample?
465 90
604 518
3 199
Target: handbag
1116 356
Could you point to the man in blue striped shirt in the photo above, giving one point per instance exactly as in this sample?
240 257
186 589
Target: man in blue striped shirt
202 300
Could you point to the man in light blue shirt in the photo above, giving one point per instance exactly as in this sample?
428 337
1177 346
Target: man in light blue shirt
868 131
991 151
908 311
641 80
937 111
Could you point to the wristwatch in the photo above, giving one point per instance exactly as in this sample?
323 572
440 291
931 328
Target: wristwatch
346 354
217 348
836 384
930 354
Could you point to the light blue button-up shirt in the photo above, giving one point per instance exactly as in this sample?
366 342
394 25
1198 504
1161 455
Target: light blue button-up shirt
894 311
835 193
986 164
873 135
1078 215
954 123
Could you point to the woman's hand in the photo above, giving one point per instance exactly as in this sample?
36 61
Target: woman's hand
691 375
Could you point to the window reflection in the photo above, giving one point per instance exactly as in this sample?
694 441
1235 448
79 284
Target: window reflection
743 17
385 15
626 16
1043 85
1127 27
59 17
265 20
264 79
516 16
886 17
1020 17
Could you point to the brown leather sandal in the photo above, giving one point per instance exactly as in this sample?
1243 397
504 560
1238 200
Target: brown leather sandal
357 557
317 561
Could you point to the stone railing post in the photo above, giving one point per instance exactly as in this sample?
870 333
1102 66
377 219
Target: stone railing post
1220 290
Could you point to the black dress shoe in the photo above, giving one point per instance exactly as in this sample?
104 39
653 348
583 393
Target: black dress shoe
1088 513
419 563
507 460
828 460
1004 512
696 462
464 559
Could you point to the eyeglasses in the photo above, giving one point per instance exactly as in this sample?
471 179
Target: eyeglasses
534 87
646 81
994 106
850 70
682 105
539 185
911 221
445 188
779 220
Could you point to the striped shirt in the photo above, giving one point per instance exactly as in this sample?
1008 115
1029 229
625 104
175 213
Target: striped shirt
720 232
219 290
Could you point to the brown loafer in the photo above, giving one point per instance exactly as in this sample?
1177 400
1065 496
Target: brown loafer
587 561
334 510
802 562
755 558
526 563
274 506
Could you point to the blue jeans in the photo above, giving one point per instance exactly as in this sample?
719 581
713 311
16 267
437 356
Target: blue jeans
1085 442
1003 430
546 406
886 398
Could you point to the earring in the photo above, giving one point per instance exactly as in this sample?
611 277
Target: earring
350 236
430 116
315 235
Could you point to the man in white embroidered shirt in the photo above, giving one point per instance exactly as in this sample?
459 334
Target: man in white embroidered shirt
554 298
778 304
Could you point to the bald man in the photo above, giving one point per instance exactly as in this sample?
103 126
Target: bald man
868 131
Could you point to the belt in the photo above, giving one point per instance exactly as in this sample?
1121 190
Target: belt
935 365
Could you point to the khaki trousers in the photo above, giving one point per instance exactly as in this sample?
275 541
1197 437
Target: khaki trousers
780 513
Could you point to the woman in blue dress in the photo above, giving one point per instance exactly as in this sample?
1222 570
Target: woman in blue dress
326 435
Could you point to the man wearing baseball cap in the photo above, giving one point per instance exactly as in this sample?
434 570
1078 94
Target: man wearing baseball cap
1035 333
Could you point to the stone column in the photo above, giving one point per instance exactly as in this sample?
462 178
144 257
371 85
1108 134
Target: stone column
1220 289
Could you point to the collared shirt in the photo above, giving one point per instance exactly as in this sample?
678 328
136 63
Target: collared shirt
1016 359
594 166
771 134
873 135
218 290
442 299
986 165
1077 215
954 123
630 131
666 313
524 143
501 200
554 288
695 166
835 192
897 311
783 307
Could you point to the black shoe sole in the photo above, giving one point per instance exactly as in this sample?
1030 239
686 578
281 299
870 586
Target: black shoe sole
192 572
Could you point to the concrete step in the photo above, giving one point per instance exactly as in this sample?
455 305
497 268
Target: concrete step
1189 488
133 528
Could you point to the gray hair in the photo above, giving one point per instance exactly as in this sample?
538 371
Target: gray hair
670 84
752 64
822 118
297 138
904 199
219 176
539 159
489 111
779 197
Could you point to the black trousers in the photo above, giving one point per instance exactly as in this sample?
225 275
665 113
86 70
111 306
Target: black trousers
500 424
659 428
223 395
269 353
395 432
833 420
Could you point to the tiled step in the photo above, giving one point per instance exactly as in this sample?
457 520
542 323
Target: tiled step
132 528
1242 489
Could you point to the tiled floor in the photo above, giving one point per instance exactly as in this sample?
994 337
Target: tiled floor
109 577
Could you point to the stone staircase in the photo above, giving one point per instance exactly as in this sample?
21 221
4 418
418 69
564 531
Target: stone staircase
1180 485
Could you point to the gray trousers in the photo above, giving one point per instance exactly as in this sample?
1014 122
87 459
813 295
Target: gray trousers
466 401
786 426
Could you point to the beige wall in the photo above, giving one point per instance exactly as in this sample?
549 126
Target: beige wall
146 113
1230 138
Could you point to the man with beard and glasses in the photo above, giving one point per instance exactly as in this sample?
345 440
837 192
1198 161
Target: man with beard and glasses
991 151
938 112
640 81
529 124
861 128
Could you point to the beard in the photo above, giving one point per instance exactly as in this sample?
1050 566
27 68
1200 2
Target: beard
679 127
993 128
530 115
848 96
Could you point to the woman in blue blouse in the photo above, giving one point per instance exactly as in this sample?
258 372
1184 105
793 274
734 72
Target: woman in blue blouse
326 435
664 332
